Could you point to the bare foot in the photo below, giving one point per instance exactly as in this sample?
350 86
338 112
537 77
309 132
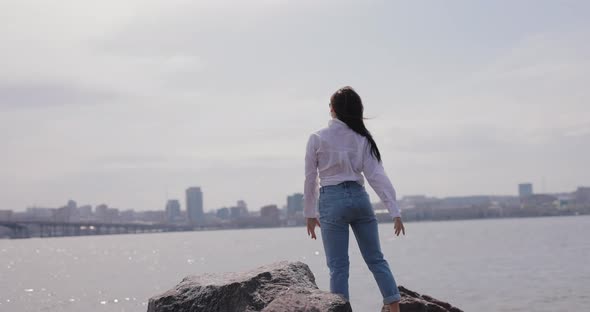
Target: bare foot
394 307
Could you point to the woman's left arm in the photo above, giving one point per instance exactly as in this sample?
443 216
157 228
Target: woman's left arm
310 188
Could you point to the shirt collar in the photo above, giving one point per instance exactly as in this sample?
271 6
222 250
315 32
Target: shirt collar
336 122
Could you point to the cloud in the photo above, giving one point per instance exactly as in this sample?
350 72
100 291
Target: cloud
221 92
30 95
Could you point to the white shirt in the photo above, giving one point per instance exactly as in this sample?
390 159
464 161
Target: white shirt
336 154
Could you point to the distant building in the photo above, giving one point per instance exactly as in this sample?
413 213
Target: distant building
100 212
85 212
525 189
5 215
67 213
106 214
151 216
269 211
39 213
238 212
173 211
270 215
194 205
465 201
223 213
127 216
112 215
582 195
62 214
543 204
295 204
72 204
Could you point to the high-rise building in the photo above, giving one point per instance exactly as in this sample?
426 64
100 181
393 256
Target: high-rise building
173 211
240 210
194 205
295 204
525 189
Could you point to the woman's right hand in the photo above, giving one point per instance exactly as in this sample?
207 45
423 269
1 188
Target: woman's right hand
398 226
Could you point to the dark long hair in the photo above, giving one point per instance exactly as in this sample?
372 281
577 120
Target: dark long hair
348 107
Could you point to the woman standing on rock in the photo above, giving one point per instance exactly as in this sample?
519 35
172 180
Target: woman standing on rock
338 154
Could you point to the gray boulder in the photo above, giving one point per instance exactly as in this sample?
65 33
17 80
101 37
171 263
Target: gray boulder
414 302
278 287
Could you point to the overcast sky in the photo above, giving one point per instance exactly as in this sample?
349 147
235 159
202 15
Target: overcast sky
129 102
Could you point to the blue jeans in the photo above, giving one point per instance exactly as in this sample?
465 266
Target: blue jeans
348 204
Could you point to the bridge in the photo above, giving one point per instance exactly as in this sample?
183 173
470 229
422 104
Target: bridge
30 228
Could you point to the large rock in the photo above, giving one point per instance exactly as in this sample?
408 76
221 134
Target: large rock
415 302
278 287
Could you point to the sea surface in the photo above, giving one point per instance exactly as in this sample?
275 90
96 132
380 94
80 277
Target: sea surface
533 264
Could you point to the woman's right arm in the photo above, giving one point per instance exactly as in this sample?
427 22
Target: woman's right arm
379 181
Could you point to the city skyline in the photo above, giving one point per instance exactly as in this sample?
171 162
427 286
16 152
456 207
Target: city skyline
285 204
72 219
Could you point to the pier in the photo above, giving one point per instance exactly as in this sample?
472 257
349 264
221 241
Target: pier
27 229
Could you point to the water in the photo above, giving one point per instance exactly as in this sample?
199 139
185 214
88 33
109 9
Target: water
539 264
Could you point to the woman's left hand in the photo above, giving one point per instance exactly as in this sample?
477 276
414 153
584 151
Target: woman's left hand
311 223
398 226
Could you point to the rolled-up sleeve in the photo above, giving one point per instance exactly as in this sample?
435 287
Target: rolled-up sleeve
379 181
311 185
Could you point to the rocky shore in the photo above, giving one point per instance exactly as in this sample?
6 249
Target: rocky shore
277 287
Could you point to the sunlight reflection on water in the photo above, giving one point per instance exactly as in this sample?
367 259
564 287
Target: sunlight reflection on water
457 261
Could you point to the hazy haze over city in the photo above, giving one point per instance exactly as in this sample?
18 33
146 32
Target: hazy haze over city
130 102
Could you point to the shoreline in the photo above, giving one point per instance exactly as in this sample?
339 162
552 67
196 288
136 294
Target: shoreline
298 226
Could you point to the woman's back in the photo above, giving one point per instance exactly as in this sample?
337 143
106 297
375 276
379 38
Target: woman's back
337 154
340 152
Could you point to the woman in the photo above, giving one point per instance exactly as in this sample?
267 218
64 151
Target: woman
338 155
